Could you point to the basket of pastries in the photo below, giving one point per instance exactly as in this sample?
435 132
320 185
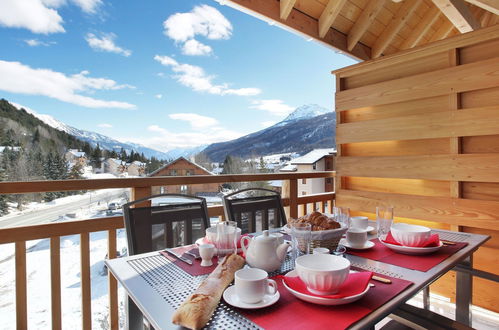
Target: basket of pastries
326 232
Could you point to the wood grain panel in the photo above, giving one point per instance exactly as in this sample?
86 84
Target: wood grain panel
480 144
479 52
86 296
398 186
397 148
488 191
55 282
462 167
480 98
463 78
411 107
453 211
21 288
400 70
465 122
112 283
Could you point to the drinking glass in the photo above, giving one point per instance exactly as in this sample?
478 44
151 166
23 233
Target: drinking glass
226 241
384 221
342 215
301 234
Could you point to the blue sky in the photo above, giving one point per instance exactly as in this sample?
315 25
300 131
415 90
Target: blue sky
163 73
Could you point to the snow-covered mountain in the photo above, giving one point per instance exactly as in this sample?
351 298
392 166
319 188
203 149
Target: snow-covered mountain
306 111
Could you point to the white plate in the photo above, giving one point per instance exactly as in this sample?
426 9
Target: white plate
412 250
321 300
231 298
366 246
200 241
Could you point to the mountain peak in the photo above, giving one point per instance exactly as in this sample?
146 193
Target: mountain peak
306 111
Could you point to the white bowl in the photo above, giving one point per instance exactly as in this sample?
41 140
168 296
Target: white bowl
211 234
410 235
322 273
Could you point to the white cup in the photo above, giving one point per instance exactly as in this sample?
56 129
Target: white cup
321 250
356 237
206 251
359 222
252 284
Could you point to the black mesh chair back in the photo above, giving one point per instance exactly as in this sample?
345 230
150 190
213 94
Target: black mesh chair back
255 209
176 220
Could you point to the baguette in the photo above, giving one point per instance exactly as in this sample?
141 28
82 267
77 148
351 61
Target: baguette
197 309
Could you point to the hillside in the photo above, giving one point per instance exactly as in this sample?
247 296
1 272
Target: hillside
300 132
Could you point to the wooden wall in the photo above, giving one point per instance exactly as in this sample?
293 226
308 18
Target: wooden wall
420 130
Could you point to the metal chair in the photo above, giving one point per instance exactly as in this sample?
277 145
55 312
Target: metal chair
249 205
178 220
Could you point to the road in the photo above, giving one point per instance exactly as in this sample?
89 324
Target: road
51 214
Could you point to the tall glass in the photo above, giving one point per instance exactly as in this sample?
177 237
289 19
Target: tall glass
226 241
384 221
301 234
342 215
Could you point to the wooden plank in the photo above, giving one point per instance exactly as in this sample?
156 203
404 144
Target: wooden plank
459 14
422 28
328 16
398 21
479 52
463 167
21 289
454 211
363 22
397 148
488 191
285 8
55 282
442 32
112 283
399 186
139 193
301 23
408 55
489 5
480 97
293 198
480 144
26 233
451 80
86 297
465 122
69 185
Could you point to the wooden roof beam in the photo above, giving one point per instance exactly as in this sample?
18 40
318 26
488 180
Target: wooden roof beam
396 23
459 14
429 18
286 7
489 5
442 32
364 22
328 16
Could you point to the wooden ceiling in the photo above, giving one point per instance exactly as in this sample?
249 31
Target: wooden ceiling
368 29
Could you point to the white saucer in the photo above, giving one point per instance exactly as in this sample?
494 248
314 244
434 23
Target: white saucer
231 298
412 250
321 300
366 246
367 229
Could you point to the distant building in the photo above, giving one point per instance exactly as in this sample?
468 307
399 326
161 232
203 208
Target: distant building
184 167
115 166
75 156
315 160
136 168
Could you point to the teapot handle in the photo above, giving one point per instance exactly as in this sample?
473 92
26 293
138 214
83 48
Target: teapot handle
243 243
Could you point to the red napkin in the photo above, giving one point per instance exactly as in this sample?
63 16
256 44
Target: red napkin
356 283
433 241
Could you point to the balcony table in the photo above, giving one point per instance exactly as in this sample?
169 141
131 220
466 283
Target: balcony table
156 285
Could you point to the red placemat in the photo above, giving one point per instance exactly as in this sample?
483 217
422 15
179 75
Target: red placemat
292 313
195 269
422 262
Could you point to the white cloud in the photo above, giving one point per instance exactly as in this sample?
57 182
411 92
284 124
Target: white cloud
203 20
275 107
104 125
194 47
268 123
167 140
194 77
88 6
36 42
34 15
195 120
158 96
20 78
106 43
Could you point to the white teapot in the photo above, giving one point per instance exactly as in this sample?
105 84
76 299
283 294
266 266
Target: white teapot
264 251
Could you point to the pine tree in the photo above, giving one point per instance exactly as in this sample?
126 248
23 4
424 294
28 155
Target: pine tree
95 157
4 208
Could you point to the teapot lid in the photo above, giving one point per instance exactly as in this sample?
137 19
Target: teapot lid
265 237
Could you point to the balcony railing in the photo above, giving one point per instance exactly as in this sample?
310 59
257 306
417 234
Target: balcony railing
141 187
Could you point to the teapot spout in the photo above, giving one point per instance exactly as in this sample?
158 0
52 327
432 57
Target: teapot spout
282 250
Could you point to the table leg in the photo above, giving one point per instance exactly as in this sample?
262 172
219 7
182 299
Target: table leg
464 292
134 315
426 298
